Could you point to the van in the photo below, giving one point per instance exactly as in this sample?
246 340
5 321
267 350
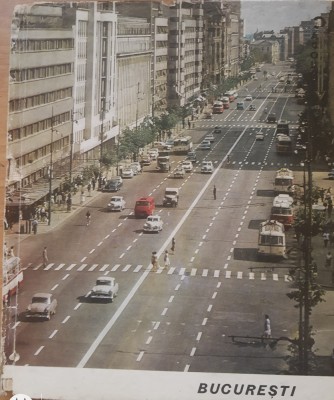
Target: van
144 207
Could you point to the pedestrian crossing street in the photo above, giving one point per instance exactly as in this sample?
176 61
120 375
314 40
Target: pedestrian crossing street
181 271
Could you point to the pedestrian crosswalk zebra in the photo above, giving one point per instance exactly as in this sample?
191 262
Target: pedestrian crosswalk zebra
180 271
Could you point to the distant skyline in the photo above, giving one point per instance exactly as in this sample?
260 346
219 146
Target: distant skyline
277 14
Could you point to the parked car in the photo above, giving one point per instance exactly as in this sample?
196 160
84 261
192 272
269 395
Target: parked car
187 165
252 107
210 137
105 288
145 160
271 119
114 185
179 172
191 156
218 129
259 135
127 172
42 305
240 106
153 224
171 197
206 167
248 98
117 178
205 145
116 203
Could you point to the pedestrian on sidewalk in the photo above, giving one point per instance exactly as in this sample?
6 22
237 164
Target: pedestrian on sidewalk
267 327
328 261
330 208
82 197
189 123
183 123
69 202
5 250
45 256
11 252
173 245
214 192
34 225
166 260
93 183
326 238
89 188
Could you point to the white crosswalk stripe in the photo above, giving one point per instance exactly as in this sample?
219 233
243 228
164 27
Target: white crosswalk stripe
180 271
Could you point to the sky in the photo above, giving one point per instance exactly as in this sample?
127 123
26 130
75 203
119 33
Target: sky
277 14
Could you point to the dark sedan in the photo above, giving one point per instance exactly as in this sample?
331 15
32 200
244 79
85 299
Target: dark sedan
112 186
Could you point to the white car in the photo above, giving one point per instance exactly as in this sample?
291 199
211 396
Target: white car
153 153
206 167
116 203
127 172
136 165
248 98
210 137
153 224
187 165
179 172
105 288
42 305
259 136
205 145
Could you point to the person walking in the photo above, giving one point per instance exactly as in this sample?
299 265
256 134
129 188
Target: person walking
88 218
34 225
82 197
45 256
267 327
326 238
173 245
328 261
154 261
11 252
214 192
93 183
5 250
189 123
89 188
330 208
166 260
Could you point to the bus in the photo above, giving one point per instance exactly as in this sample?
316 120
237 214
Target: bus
283 182
282 210
12 277
182 145
283 128
283 144
226 102
271 241
218 107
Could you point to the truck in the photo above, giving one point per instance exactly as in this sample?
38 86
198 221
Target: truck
171 197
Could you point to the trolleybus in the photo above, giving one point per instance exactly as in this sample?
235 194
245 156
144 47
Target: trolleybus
271 241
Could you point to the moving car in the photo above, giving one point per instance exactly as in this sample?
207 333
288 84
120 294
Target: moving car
145 160
116 203
136 167
114 185
206 167
42 305
210 137
127 172
191 156
240 106
259 136
153 153
218 129
105 288
252 108
205 145
179 172
153 224
248 98
171 197
271 119
187 165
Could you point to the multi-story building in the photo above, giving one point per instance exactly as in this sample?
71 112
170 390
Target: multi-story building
134 55
233 38
40 96
185 52
331 67
266 50
281 38
213 49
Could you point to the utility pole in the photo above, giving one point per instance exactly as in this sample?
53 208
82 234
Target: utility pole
137 109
